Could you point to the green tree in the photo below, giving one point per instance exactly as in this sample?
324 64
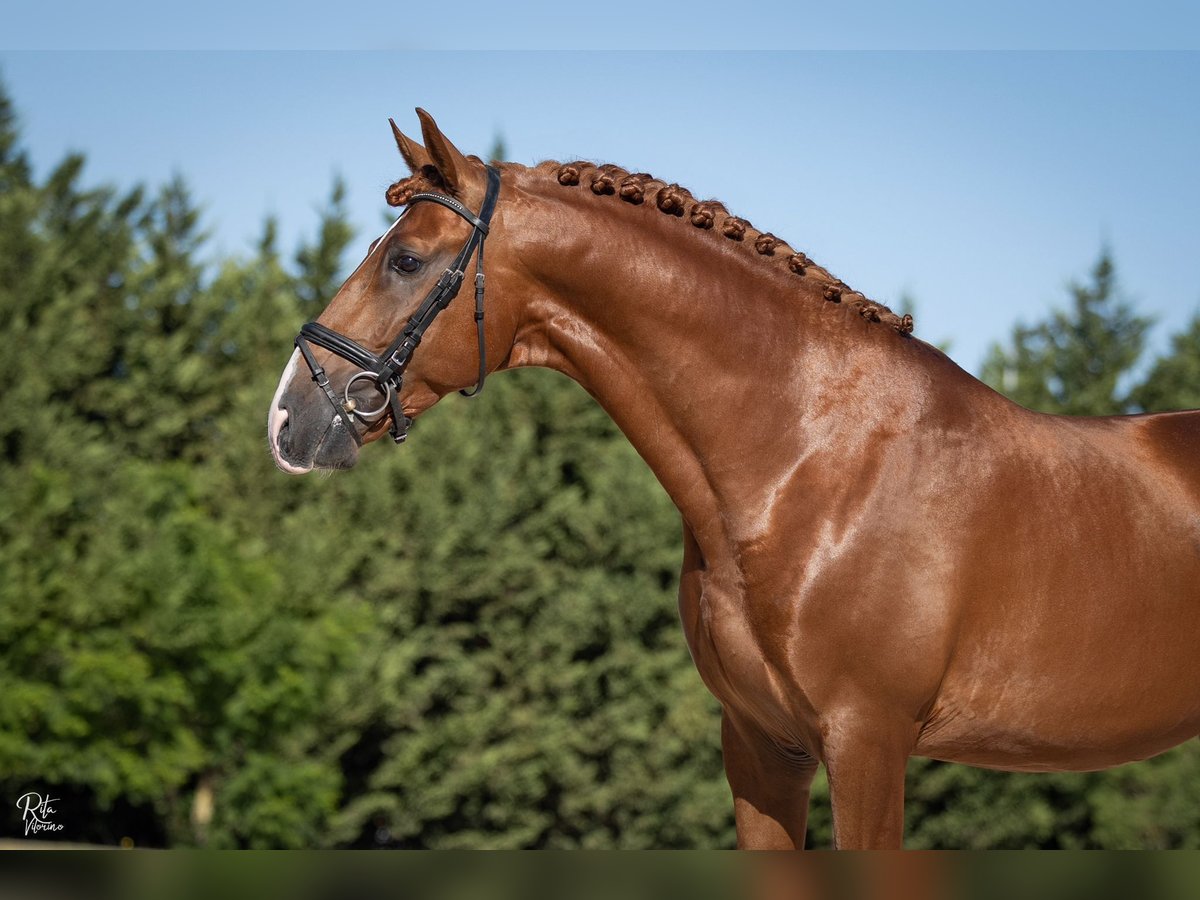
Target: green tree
536 688
154 647
1173 382
199 650
320 262
499 151
1075 361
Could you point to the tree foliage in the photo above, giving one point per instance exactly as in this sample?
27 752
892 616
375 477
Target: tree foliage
469 642
1074 361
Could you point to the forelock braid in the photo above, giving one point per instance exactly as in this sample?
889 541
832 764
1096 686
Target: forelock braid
401 191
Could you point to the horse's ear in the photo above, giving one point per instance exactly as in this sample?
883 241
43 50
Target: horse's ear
414 154
450 163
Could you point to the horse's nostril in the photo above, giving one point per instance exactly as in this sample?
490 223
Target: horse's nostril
279 427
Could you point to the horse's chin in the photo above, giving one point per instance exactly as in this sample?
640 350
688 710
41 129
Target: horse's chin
333 464
333 450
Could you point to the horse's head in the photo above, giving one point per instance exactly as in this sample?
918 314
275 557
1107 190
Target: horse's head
357 373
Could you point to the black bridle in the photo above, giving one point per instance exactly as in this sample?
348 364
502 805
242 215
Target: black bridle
387 369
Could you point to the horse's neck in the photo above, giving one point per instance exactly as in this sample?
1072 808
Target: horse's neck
721 370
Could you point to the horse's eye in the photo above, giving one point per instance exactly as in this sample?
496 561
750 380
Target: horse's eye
406 264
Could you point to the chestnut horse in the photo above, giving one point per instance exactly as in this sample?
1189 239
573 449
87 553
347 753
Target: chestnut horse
882 556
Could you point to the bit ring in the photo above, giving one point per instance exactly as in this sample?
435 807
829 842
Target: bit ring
367 415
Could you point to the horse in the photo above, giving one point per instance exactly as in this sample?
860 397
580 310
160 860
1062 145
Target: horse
882 556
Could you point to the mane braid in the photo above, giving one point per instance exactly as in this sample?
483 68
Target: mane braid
639 188
709 215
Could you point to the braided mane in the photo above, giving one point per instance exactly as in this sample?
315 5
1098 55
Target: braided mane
709 215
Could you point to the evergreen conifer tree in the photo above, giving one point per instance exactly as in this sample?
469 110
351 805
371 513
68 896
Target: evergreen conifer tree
1075 361
1173 382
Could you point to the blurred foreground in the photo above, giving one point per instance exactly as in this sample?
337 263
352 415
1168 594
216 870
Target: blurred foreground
698 876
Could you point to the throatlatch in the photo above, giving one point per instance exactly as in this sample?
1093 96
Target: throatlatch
387 369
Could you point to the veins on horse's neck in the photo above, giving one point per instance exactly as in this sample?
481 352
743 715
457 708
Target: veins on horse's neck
719 369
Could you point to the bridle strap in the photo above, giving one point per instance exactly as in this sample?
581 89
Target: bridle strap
478 389
322 381
388 368
480 222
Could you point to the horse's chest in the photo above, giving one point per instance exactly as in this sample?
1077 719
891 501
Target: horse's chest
726 650
704 637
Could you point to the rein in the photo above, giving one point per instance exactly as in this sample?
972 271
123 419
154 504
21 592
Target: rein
387 369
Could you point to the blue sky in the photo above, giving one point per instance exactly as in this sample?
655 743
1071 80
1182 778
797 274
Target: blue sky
655 25
977 181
